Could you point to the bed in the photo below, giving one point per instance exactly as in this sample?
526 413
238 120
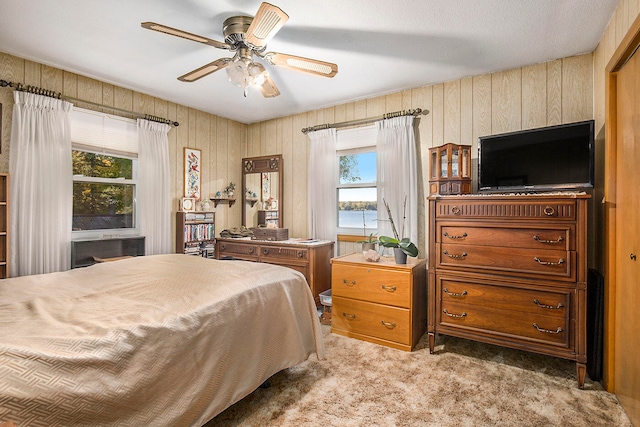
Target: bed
163 340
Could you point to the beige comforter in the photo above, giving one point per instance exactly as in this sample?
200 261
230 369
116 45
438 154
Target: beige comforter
165 340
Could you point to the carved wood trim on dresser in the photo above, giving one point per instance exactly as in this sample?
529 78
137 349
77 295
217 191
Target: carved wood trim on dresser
510 270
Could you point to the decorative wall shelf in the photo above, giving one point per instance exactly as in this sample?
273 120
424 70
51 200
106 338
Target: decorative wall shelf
217 200
251 200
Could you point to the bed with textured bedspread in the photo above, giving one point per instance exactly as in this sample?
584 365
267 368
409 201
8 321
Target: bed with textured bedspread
164 340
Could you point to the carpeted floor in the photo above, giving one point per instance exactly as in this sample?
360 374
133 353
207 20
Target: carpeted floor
464 384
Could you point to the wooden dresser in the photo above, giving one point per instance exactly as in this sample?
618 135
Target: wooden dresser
311 259
510 270
381 302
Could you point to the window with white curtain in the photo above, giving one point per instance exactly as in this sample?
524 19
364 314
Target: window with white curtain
105 174
357 184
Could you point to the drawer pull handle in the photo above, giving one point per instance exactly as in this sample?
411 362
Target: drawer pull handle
453 294
560 239
351 283
547 331
300 254
539 261
455 256
349 316
265 251
455 316
462 236
223 247
455 210
549 211
389 325
559 306
389 288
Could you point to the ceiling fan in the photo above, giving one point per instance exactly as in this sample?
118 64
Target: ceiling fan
248 36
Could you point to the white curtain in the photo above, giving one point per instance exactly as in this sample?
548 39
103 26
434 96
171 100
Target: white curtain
322 180
41 185
154 186
397 177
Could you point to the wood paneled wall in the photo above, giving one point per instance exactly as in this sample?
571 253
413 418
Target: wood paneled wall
222 141
460 111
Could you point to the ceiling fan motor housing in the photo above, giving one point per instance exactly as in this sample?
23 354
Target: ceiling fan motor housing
234 29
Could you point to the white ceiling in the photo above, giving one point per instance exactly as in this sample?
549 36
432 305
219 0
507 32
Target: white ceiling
380 46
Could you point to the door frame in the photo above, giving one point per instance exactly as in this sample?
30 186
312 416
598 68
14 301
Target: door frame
623 53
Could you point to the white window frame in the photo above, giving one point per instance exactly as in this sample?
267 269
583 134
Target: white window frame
96 139
355 141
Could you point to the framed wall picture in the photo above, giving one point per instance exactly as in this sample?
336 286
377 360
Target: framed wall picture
192 171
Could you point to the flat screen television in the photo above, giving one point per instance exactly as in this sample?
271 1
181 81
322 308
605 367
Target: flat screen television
554 158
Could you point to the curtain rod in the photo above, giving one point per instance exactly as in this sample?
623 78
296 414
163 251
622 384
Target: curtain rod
414 112
52 94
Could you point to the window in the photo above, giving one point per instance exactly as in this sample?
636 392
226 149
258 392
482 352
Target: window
103 191
105 166
357 183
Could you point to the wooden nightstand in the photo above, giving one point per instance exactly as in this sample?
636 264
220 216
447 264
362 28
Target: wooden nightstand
380 302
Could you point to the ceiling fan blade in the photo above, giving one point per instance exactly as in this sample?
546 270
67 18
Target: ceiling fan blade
267 22
313 66
185 35
205 70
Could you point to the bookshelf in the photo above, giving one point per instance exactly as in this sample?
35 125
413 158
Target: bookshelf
195 233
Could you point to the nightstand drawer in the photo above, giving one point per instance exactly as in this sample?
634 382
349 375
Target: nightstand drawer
560 238
372 284
376 320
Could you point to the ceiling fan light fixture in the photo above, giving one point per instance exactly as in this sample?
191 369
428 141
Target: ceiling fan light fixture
243 72
238 72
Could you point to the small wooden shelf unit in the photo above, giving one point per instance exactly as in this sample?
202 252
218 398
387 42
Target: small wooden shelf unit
4 225
511 270
195 233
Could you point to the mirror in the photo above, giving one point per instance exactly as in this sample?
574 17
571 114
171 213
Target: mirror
262 183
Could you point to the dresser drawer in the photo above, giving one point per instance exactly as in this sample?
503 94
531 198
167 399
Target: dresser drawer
508 298
560 238
372 284
508 210
511 324
284 253
302 268
534 262
376 320
238 250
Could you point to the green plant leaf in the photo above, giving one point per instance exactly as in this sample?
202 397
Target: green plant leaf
388 242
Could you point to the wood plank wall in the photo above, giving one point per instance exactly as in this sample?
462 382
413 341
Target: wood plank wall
625 14
222 141
550 93
460 111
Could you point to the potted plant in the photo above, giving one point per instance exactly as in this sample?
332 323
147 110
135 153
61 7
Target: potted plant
229 189
402 247
370 242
